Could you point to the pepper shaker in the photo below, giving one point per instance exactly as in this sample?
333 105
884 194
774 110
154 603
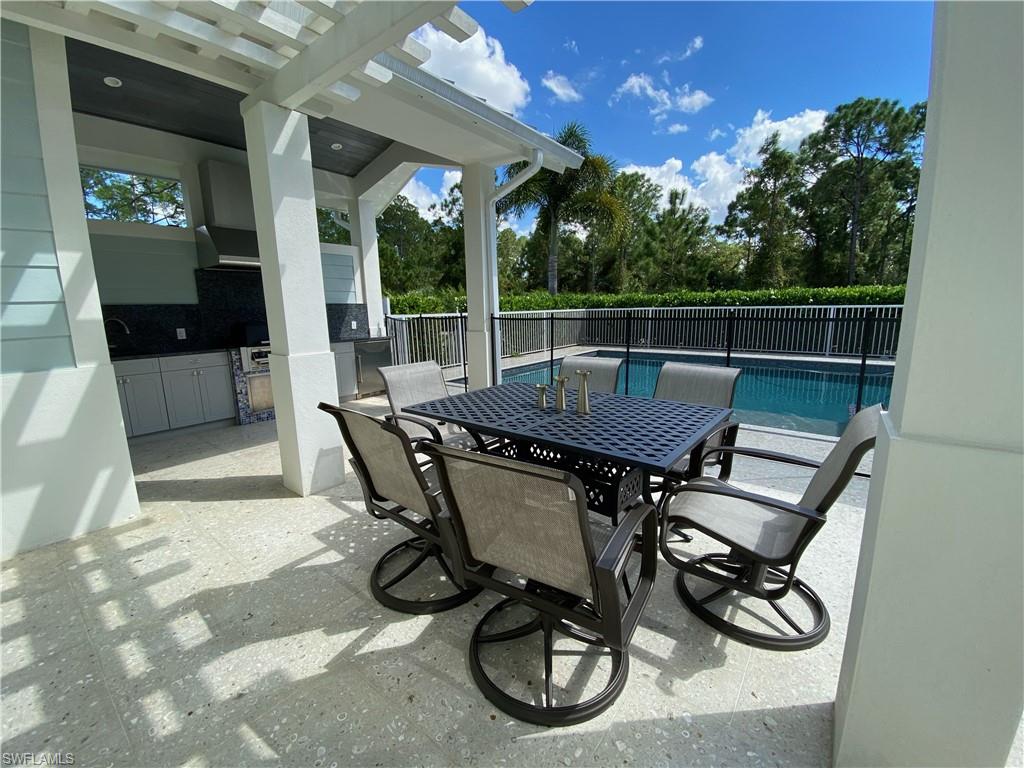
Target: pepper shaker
542 396
561 381
583 395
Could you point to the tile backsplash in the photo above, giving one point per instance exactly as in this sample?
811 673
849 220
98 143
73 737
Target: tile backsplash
228 299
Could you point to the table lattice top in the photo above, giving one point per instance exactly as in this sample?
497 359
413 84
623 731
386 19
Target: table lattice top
653 434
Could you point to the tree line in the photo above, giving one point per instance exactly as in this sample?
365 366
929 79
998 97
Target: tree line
837 211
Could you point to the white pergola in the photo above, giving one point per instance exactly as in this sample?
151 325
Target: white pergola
356 62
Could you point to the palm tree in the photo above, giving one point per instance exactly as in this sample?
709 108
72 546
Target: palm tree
577 196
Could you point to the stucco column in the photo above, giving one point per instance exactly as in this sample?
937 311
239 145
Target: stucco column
363 229
301 362
481 238
934 655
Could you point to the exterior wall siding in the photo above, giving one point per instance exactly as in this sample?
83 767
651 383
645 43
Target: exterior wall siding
34 330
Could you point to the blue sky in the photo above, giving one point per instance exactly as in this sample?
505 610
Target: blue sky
683 91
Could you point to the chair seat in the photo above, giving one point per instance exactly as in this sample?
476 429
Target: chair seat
768 533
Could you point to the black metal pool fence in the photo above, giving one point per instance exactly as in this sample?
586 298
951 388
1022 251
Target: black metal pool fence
845 332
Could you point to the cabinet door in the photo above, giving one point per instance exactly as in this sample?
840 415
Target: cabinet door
184 400
147 409
123 399
218 393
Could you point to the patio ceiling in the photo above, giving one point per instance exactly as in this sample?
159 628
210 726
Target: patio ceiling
353 63
158 97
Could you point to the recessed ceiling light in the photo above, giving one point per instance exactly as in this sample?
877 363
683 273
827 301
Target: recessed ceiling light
113 82
337 147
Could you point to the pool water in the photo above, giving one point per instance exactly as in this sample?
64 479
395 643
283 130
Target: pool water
806 397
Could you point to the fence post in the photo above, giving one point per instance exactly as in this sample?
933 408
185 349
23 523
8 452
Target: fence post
462 351
629 338
829 330
495 360
729 323
551 348
867 335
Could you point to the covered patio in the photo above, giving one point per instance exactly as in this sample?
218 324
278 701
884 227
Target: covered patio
231 624
202 599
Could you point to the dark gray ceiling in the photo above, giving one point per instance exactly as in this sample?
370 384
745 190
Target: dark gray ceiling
162 98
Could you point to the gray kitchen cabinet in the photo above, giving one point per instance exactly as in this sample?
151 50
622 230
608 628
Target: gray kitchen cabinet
122 398
144 403
184 397
345 369
217 390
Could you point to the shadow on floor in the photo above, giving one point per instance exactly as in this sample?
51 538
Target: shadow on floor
237 488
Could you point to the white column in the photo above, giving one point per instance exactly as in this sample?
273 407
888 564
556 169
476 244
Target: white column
301 361
481 237
363 229
66 466
934 656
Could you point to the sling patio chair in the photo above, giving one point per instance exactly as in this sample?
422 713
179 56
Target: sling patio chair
604 371
414 383
523 531
703 385
765 537
397 486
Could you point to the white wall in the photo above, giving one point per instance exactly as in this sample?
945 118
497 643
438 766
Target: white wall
65 467
934 661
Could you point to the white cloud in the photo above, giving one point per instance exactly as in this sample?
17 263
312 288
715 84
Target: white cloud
713 186
677 128
421 196
691 101
477 66
560 86
691 48
680 99
448 180
571 46
716 177
792 130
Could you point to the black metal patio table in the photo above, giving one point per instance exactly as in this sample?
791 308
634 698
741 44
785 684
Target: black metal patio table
612 450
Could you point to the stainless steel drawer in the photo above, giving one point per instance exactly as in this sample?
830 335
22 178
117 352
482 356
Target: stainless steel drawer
188 362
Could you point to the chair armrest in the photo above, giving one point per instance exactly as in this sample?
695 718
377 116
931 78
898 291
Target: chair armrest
738 493
435 433
449 385
762 453
616 552
621 621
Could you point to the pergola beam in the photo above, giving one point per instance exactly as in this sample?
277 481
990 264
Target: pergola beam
345 47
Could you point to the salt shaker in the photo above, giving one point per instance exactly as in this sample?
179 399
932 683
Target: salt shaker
542 396
561 381
583 395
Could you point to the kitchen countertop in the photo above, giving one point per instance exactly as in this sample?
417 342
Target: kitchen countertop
114 357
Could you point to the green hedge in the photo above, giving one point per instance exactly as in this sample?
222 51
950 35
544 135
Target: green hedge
447 300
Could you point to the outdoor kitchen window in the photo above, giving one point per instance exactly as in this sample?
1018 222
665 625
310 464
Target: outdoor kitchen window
132 197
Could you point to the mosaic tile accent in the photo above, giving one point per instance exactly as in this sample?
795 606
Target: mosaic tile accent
245 414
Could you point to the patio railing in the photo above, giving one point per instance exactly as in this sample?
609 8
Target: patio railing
865 332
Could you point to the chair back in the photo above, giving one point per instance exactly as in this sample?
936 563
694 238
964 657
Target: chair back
410 384
383 457
604 371
832 477
520 517
701 384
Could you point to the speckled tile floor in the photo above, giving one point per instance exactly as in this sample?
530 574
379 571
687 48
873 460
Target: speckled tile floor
231 624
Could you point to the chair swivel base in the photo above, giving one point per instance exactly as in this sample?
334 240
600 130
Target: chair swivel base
547 714
425 552
791 637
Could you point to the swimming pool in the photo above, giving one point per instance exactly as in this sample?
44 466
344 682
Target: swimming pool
804 396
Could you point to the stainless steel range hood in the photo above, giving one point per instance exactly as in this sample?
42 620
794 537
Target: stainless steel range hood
227 247
228 239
